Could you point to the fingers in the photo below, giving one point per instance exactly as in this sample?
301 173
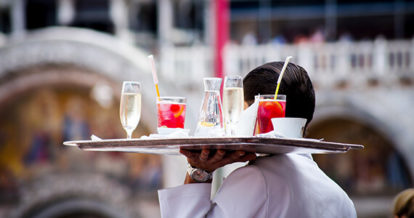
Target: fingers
196 155
217 156
248 157
204 154
184 152
188 154
220 158
237 156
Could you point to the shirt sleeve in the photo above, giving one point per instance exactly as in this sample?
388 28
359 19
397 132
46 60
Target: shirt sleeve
243 194
190 200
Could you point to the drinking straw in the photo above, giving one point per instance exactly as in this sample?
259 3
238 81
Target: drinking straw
279 80
154 74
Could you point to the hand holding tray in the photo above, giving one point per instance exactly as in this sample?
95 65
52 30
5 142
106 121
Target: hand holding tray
248 144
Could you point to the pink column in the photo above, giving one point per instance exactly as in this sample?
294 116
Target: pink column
221 34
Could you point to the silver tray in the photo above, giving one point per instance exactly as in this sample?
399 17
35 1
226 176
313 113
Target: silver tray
249 144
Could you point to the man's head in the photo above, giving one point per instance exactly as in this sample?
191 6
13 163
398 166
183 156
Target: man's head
296 85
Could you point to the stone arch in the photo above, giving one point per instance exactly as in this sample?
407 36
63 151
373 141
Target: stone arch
101 57
58 195
387 112
78 59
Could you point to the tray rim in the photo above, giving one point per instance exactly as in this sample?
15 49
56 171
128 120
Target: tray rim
222 142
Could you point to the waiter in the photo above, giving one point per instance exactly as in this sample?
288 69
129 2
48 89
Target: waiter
285 185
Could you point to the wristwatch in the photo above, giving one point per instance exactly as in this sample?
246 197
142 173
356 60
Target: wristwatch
198 175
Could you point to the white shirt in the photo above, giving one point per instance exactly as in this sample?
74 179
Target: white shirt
288 185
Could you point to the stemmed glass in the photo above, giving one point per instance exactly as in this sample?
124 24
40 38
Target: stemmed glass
130 107
233 102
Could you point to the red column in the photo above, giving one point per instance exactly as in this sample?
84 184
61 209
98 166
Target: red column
221 34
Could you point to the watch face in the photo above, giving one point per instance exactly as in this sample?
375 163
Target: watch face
200 175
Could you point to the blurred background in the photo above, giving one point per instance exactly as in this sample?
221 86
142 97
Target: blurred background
62 63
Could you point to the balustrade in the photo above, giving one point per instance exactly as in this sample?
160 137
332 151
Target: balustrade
379 60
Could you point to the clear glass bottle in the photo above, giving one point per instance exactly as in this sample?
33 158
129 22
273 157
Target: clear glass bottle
210 120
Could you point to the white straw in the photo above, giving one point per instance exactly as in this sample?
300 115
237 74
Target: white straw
279 80
154 72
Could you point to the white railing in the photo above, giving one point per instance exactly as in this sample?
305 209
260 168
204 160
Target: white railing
327 62
185 65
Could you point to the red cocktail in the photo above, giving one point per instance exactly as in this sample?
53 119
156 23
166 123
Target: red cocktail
269 108
171 112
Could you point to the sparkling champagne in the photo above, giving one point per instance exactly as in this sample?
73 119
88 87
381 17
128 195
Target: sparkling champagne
232 107
130 110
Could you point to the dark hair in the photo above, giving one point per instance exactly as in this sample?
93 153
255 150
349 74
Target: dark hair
296 85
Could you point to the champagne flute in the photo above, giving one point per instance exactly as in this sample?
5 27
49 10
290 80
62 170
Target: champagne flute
130 107
233 102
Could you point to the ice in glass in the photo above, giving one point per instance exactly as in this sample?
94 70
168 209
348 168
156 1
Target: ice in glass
171 112
269 108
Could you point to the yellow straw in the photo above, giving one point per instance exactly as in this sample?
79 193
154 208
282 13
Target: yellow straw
279 80
158 91
154 74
